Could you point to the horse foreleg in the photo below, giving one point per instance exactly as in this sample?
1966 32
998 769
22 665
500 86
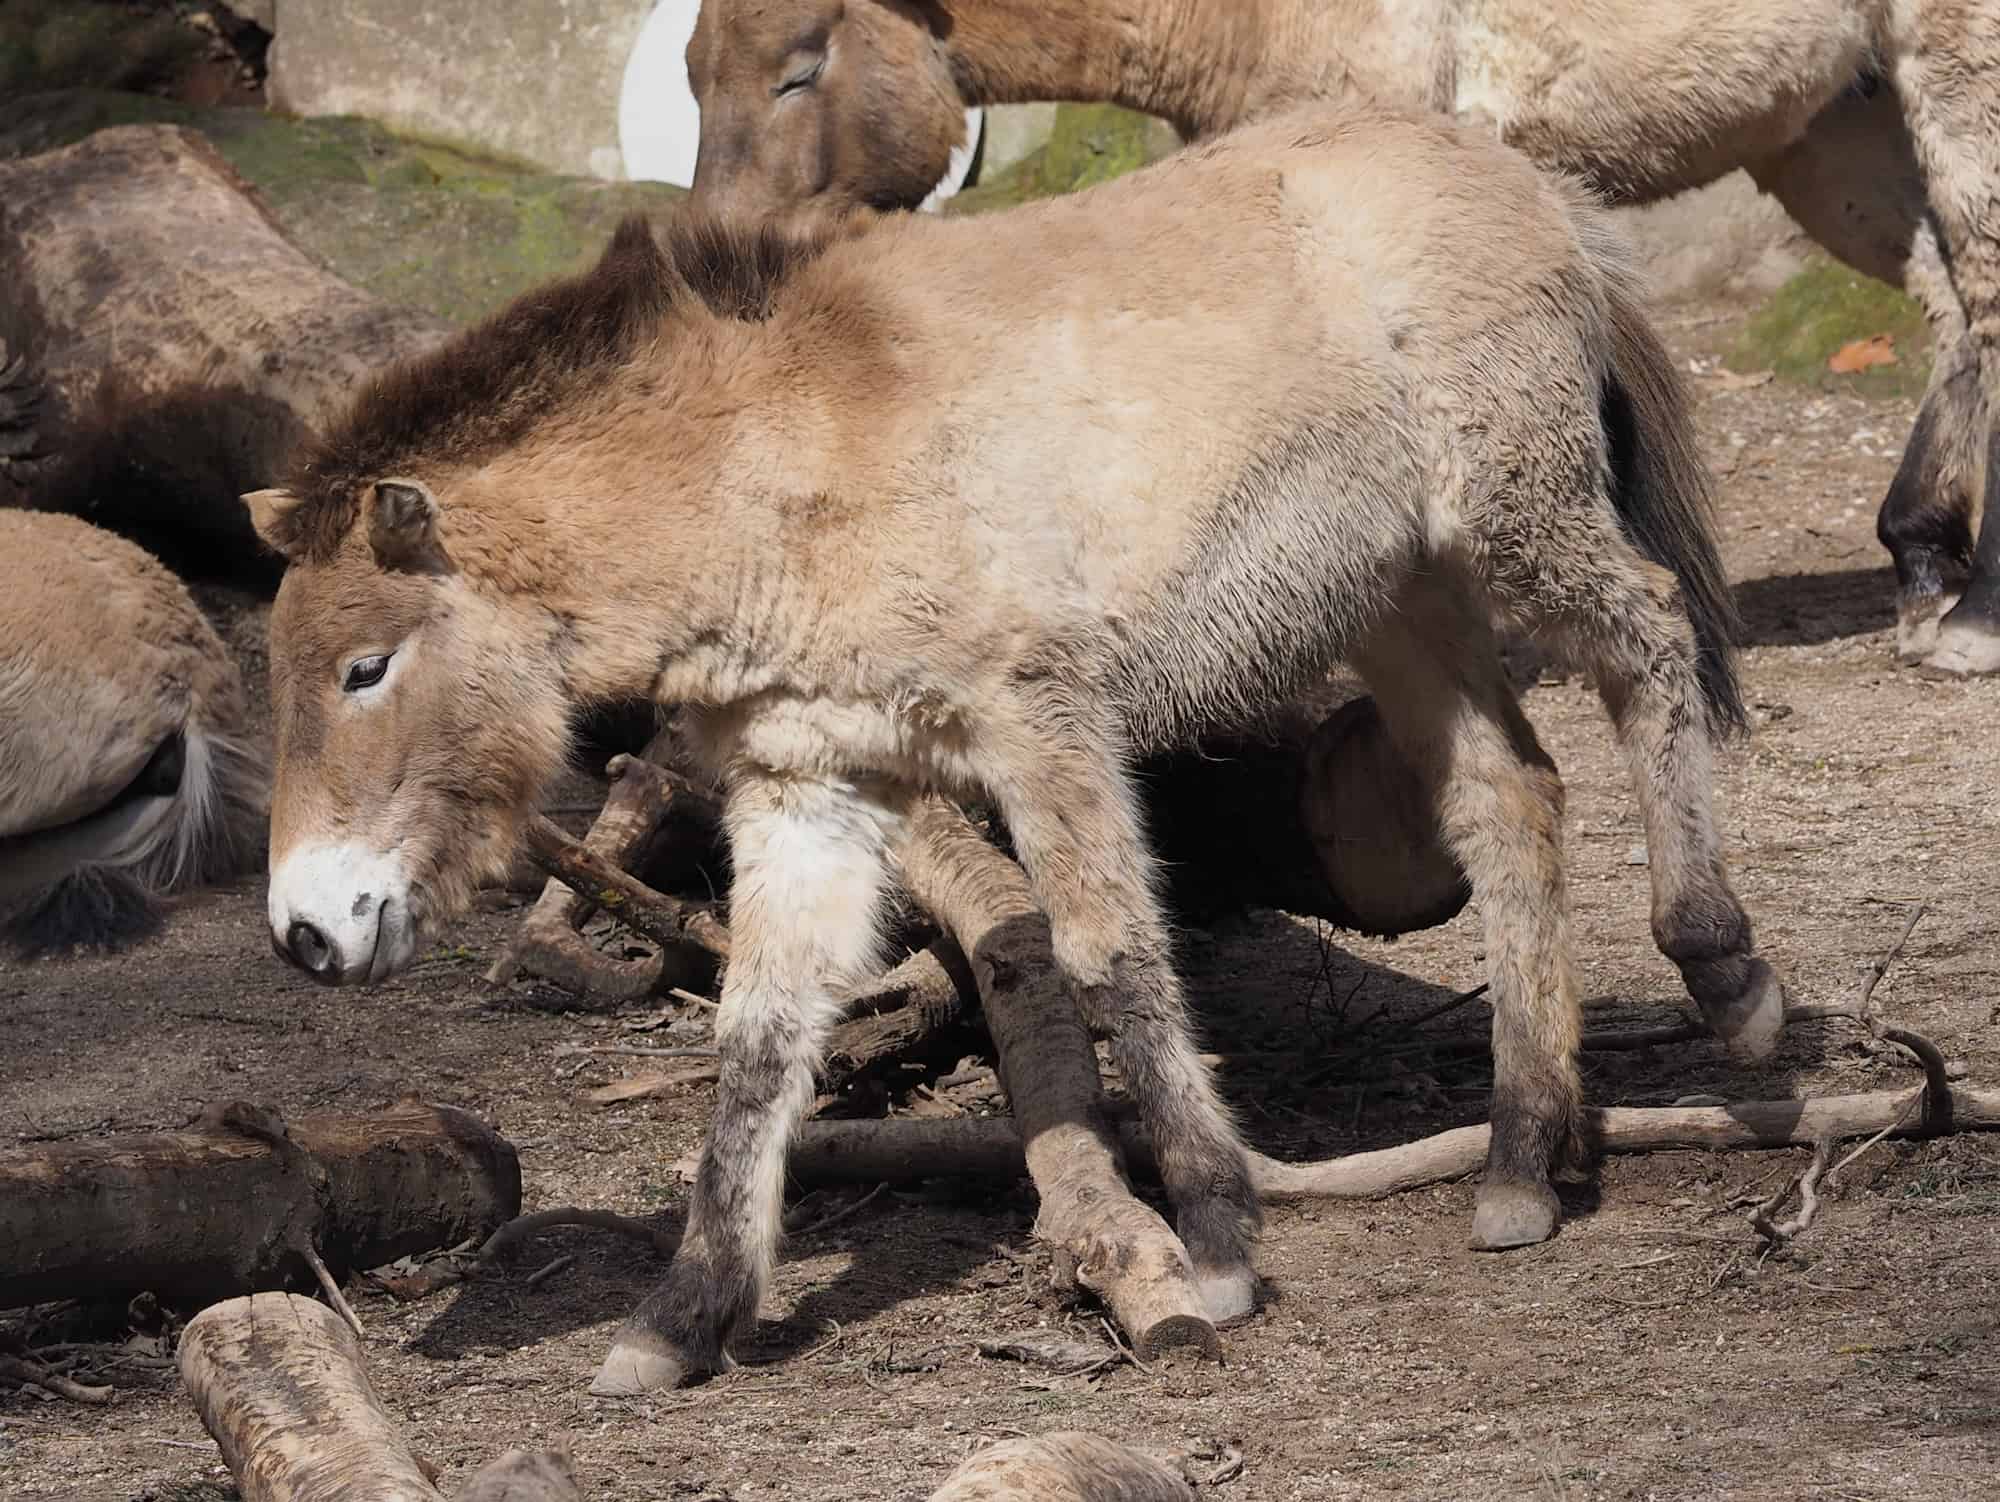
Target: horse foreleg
811 865
1947 72
1074 822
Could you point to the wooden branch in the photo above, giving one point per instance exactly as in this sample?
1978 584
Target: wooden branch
1124 1251
279 1382
15 1369
663 919
903 1149
546 943
219 1210
1062 1467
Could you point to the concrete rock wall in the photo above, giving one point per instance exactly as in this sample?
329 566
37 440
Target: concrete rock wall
536 80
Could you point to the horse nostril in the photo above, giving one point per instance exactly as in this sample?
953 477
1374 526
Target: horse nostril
309 948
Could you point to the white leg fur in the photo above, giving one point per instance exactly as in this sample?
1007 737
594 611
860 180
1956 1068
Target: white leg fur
811 865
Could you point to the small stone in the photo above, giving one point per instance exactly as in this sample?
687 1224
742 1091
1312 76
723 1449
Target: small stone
1636 856
1955 1069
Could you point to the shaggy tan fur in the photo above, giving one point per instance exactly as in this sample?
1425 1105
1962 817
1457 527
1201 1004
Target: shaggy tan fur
999 506
126 773
1875 122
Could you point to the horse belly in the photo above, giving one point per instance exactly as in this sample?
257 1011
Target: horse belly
1643 100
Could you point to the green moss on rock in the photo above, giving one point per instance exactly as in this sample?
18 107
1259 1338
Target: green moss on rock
1091 143
1822 308
411 221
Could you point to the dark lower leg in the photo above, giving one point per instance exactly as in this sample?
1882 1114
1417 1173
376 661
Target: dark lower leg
1969 637
1924 518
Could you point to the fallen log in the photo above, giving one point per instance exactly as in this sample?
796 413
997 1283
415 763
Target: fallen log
279 1383
140 251
1121 1248
222 1209
1062 1467
904 1149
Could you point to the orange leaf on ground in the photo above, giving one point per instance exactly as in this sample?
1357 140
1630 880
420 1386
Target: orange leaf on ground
1862 354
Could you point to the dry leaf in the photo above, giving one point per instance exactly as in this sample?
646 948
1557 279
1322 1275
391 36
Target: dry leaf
1862 354
655 1082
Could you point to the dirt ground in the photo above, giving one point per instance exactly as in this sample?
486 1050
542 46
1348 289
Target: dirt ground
1645 1353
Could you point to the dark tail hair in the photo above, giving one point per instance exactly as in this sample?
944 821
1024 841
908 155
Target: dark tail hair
1662 487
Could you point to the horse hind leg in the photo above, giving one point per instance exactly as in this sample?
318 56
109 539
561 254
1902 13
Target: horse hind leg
1854 184
1619 616
1435 669
1946 65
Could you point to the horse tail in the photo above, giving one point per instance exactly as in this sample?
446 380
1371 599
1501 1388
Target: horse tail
1662 488
193 813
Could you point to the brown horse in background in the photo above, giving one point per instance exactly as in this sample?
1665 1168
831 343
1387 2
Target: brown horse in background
998 507
1876 123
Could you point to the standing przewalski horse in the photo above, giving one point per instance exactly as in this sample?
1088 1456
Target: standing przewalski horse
845 102
999 506
126 770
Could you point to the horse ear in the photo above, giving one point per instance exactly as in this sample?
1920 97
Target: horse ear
402 528
275 516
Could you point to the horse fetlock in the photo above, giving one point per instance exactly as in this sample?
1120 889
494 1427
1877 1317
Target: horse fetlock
1742 1001
1218 1223
681 1333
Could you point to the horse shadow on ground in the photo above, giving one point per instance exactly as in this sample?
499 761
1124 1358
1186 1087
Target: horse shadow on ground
1322 1052
1805 610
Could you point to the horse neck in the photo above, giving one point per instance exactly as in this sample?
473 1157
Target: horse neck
1187 61
650 570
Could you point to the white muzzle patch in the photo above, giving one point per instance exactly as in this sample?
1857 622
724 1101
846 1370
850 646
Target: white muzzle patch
341 913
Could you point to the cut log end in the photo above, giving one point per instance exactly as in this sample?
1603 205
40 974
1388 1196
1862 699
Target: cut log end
1063 1467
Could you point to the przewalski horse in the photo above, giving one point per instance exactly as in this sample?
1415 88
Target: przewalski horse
845 102
126 771
1000 506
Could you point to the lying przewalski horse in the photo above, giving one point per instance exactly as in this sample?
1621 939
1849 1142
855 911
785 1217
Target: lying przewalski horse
1875 122
126 770
1000 506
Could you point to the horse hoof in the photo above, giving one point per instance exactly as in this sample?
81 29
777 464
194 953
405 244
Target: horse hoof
1750 1022
1509 1215
1227 1293
1917 626
639 1364
1965 649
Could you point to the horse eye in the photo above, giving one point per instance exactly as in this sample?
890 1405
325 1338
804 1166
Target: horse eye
801 80
365 672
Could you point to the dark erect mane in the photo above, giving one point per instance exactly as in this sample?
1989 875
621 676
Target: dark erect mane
488 386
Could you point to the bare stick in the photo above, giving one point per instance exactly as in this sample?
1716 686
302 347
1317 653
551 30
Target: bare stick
1777 1233
1124 1251
663 919
330 1286
546 943
522 1227
1063 1467
904 1149
845 1212
14 1369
